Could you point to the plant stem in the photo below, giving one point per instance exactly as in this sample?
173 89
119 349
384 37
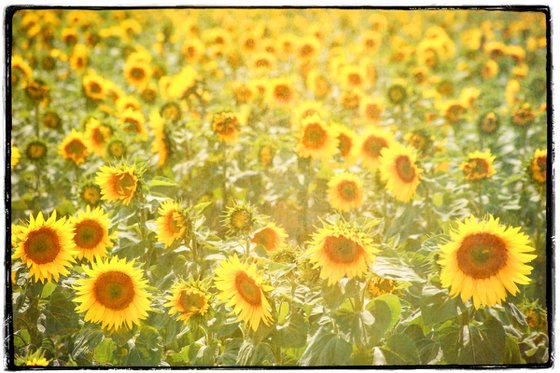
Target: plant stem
224 175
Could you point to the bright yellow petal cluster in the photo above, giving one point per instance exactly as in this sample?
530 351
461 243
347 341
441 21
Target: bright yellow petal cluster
399 171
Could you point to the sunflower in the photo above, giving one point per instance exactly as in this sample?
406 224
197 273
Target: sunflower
242 288
371 109
187 300
97 135
36 89
91 233
489 123
226 126
118 183
378 286
347 143
340 250
113 294
239 219
281 91
523 115
484 259
90 194
317 83
316 139
479 165
52 120
133 121
171 111
345 191
399 171
74 147
94 86
397 93
173 224
45 246
181 83
538 166
421 140
15 156
375 140
116 149
159 146
271 237
137 72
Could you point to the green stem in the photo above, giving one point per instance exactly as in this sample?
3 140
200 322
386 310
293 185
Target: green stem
37 123
224 175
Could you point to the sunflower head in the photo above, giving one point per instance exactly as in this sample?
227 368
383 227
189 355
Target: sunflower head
242 288
36 359
226 125
345 191
52 120
74 147
116 149
90 193
91 233
483 259
397 93
174 223
113 293
374 141
36 89
240 219
271 237
523 115
378 286
537 168
133 121
97 135
36 150
340 249
171 111
119 183
188 300
316 139
478 166
420 140
399 171
45 247
347 143
94 87
489 123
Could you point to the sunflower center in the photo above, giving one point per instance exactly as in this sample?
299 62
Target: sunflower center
477 167
344 144
132 125
373 145
541 163
191 301
248 289
114 290
266 237
355 79
482 255
348 190
94 87
36 151
241 220
137 73
373 111
282 92
405 168
116 149
125 184
227 126
306 50
75 147
91 195
42 246
314 136
88 234
342 250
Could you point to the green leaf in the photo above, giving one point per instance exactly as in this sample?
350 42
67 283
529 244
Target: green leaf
48 289
401 350
386 311
436 306
293 333
326 348
103 353
254 355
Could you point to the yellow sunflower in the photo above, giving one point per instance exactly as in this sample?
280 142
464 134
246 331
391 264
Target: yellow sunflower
45 246
340 250
316 139
37 362
113 294
479 165
91 233
399 171
371 109
347 143
374 141
484 259
159 146
15 156
172 225
271 237
281 92
74 147
226 126
90 194
118 183
242 288
94 86
137 72
97 135
345 191
538 166
133 121
187 300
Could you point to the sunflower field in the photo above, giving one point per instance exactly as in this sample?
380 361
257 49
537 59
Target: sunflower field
278 187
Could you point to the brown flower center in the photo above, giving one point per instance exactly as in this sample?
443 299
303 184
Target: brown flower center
88 234
248 289
114 290
405 168
347 190
314 136
191 302
373 146
482 255
342 250
42 246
